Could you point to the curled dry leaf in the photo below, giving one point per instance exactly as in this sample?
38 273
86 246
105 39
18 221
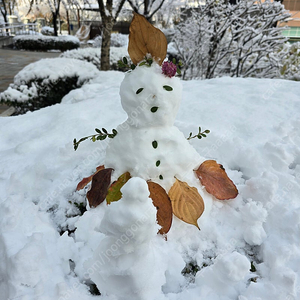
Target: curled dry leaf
100 184
162 202
187 204
114 191
87 180
213 176
144 38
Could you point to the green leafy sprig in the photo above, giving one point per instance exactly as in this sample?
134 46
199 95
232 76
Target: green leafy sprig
148 61
178 64
200 135
124 64
99 136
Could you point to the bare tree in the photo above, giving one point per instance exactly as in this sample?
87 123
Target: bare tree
6 8
109 16
232 39
54 6
147 8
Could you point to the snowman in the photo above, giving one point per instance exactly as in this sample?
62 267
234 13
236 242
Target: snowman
151 149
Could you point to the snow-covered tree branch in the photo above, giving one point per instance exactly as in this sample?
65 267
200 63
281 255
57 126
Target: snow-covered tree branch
239 39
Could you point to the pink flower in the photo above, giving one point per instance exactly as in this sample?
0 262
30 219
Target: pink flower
169 69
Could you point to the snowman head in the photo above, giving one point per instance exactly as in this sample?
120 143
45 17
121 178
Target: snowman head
149 97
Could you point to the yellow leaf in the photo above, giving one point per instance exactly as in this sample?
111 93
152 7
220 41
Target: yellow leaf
114 193
144 38
187 204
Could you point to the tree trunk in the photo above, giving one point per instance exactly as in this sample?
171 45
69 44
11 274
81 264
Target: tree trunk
54 15
4 11
106 40
68 22
78 18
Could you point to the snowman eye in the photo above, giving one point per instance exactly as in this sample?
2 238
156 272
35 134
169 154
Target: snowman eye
168 88
139 90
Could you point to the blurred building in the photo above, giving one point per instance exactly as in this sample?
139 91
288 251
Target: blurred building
293 33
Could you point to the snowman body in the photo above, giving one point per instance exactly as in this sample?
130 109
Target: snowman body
148 145
130 262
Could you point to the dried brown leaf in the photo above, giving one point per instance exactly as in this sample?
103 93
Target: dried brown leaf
213 176
144 38
162 202
187 204
87 180
100 184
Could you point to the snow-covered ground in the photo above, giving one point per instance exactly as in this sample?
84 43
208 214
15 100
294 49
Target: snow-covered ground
255 134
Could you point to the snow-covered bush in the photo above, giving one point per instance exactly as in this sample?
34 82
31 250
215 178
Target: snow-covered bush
239 40
97 41
290 68
46 82
46 30
44 43
117 40
93 55
27 32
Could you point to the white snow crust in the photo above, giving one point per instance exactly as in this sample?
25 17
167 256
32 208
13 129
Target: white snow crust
44 38
255 134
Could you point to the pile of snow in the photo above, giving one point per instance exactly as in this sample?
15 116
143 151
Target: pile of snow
86 54
134 267
27 32
45 39
47 30
117 40
255 134
93 55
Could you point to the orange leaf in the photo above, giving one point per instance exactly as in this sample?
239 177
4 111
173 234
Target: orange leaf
144 38
100 185
114 193
86 180
187 204
213 176
162 202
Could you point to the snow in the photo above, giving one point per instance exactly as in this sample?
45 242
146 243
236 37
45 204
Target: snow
133 217
44 38
255 134
56 68
28 32
118 40
47 30
93 55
